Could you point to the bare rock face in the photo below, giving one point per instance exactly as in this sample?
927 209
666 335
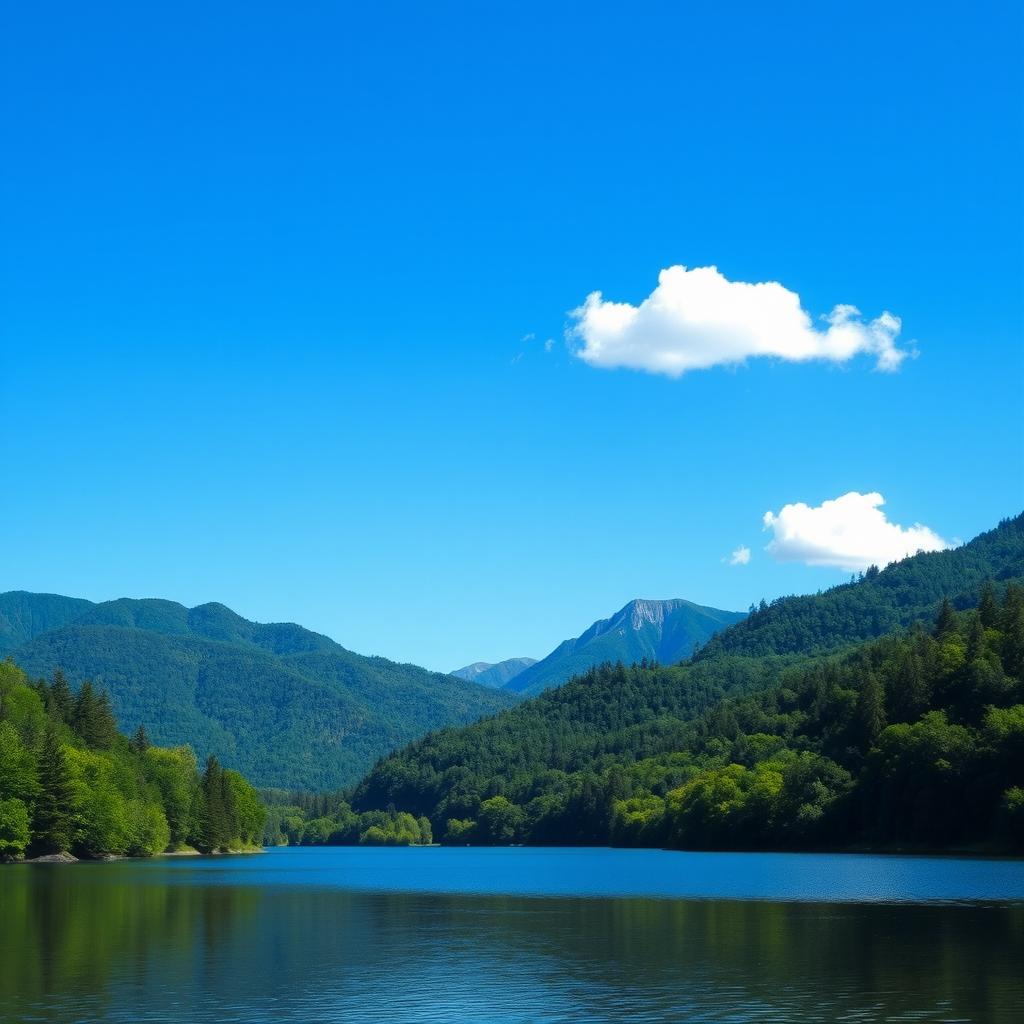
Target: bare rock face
54 858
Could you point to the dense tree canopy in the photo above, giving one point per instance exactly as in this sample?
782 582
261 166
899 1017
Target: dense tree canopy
69 782
871 745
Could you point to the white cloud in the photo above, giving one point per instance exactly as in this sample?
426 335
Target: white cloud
697 318
549 344
741 556
850 532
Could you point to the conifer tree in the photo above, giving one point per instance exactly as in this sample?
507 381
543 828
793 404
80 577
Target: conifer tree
54 820
60 702
945 623
988 610
140 741
871 708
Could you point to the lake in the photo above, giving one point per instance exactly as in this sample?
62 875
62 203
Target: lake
513 935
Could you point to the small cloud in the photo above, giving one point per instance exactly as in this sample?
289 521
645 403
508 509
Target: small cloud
698 318
850 532
741 556
528 337
549 344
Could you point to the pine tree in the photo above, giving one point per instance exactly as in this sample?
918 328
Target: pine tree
988 610
213 819
945 623
910 693
871 708
975 639
54 820
60 702
140 741
93 718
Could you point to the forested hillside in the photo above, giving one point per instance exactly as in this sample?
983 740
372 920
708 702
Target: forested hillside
70 783
283 705
879 602
590 762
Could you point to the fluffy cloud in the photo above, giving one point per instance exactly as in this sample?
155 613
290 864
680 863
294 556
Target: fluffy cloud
850 532
741 556
697 318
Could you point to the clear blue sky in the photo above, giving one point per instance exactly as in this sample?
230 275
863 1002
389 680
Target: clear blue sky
267 271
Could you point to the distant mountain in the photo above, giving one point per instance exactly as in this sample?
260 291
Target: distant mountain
662 631
803 677
286 706
495 675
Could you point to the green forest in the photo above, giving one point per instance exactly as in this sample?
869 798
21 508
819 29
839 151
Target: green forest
849 718
70 783
916 739
281 704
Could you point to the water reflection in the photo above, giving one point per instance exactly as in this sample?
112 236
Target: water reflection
153 942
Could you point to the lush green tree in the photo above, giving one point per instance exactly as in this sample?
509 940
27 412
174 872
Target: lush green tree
500 821
871 709
54 821
14 828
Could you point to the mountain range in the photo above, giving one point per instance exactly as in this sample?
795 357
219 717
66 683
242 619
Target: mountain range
558 768
284 705
654 631
495 674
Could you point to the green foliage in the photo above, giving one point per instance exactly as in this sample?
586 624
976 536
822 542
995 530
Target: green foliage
328 820
70 782
14 828
752 743
279 703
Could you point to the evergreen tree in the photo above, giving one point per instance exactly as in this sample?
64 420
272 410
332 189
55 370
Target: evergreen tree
53 826
60 701
988 610
870 708
140 741
93 718
910 693
945 623
213 825
975 639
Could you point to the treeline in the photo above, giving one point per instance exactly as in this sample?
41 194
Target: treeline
915 739
71 783
316 819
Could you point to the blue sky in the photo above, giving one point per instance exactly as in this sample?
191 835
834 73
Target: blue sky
268 272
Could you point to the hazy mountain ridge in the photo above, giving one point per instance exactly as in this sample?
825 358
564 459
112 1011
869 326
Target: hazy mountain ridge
664 631
494 674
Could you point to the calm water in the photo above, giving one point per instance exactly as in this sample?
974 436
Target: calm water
514 935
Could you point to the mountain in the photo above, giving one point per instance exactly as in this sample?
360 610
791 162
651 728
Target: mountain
285 706
495 675
662 631
555 769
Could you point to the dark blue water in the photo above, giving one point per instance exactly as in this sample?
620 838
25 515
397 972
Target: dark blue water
514 935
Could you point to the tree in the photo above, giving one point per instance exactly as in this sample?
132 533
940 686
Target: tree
14 828
213 824
18 777
988 610
53 826
93 718
60 702
140 741
945 622
500 820
870 709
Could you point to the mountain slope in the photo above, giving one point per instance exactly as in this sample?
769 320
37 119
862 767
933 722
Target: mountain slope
495 675
560 757
662 631
286 706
